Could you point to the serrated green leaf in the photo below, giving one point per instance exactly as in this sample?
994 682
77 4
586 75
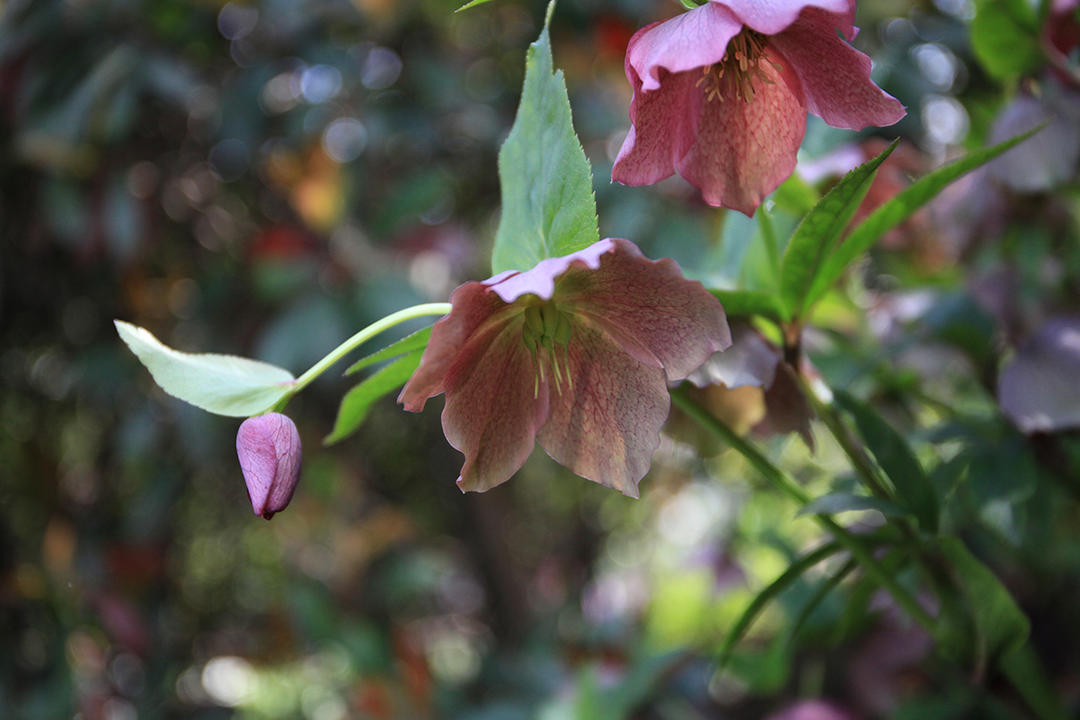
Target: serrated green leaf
222 384
900 208
742 303
820 231
913 489
838 502
1005 37
414 342
777 586
548 206
358 401
999 624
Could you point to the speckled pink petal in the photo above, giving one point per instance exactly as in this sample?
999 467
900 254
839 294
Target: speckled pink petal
688 41
649 309
606 427
540 280
773 16
491 414
662 129
268 447
835 76
743 151
472 307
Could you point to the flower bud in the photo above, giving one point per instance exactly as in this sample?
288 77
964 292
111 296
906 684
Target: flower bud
269 450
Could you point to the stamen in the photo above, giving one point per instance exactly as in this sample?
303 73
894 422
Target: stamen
739 69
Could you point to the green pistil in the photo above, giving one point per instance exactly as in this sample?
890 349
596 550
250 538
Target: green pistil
545 329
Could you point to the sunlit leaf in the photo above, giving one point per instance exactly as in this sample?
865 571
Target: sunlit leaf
743 303
221 384
548 206
898 209
1005 37
819 232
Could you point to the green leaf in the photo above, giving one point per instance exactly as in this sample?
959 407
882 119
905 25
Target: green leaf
741 303
913 488
221 384
900 208
777 586
414 342
838 502
472 4
999 624
1005 37
820 231
818 597
358 401
548 207
795 196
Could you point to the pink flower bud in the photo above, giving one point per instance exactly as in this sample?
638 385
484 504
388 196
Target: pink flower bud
269 450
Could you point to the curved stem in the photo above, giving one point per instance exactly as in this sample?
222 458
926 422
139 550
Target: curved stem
363 336
789 486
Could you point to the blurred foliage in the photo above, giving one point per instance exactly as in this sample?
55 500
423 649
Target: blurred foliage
237 176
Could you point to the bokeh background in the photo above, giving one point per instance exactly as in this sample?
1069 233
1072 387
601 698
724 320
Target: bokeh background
265 178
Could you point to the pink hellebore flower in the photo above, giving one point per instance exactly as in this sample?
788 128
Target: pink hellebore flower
721 94
576 354
269 450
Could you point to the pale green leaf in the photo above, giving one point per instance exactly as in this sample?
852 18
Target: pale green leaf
548 206
221 384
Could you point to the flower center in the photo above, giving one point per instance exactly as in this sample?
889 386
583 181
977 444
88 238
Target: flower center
545 332
735 74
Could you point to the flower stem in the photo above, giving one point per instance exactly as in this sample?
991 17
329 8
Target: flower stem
362 337
789 486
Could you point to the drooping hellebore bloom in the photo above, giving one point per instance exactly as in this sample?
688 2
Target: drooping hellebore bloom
721 94
269 450
575 354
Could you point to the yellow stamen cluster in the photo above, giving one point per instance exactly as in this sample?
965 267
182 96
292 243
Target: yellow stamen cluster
736 72
546 329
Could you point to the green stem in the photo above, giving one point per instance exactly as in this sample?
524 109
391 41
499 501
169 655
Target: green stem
362 337
788 485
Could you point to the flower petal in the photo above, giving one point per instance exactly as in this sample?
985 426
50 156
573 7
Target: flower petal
472 306
491 413
743 151
540 281
662 129
606 426
688 41
835 76
649 309
773 16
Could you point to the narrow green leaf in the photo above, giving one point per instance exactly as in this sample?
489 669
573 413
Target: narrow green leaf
221 384
472 4
1000 626
358 401
838 502
548 206
777 586
913 489
742 303
768 234
1005 37
414 342
818 597
820 231
900 208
